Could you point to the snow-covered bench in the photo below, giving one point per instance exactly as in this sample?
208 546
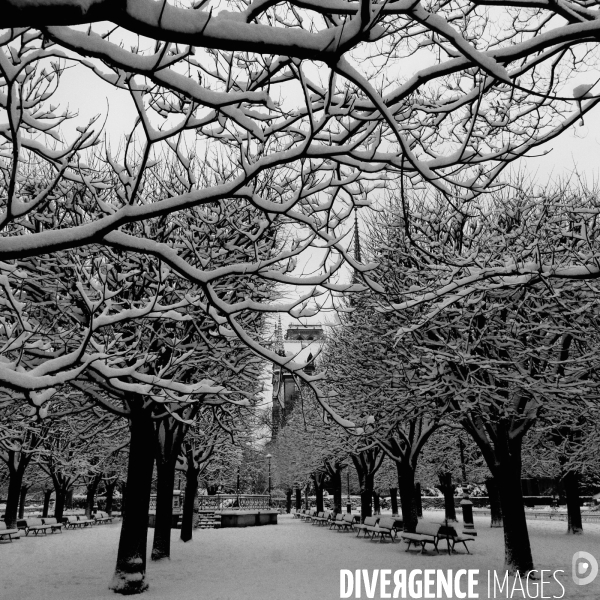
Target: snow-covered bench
102 517
425 533
5 532
384 527
461 539
76 522
53 523
338 518
307 516
322 518
345 523
34 525
297 513
369 522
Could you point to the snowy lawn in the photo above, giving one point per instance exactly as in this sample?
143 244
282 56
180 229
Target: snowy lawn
291 561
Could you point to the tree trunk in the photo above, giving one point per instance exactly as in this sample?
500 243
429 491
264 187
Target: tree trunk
517 549
123 494
337 491
165 482
110 493
190 501
22 498
59 503
376 503
12 501
319 493
575 524
495 508
419 500
306 506
47 495
90 495
367 483
288 501
130 571
448 490
408 497
298 499
394 500
69 498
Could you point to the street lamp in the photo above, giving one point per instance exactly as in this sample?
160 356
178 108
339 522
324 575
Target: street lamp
269 457
349 503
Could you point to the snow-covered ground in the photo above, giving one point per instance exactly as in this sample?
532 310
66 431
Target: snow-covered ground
290 561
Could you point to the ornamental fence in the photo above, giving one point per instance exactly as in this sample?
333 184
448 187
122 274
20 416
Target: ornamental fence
233 502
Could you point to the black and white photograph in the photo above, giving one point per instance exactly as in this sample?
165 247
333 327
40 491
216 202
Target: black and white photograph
299 299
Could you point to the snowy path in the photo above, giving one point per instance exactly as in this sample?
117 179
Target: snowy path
291 561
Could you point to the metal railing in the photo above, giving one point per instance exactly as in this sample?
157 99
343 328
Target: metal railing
233 502
547 515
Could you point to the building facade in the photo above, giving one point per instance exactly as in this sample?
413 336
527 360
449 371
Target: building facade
303 342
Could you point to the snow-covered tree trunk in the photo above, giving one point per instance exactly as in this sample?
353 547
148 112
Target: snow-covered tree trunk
110 494
367 483
189 501
46 506
336 479
571 482
495 508
408 500
447 489
517 548
59 503
419 500
376 503
22 497
90 494
12 500
319 479
394 500
130 571
165 482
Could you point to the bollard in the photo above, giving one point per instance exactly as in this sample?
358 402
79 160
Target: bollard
467 511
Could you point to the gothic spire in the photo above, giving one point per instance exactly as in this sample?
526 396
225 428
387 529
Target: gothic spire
278 345
357 252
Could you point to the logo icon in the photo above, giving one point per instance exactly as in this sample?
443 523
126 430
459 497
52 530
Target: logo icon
585 568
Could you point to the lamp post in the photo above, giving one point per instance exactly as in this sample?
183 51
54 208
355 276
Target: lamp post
269 457
349 504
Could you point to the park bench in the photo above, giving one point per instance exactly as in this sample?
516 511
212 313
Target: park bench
385 526
453 537
369 522
334 520
322 518
307 516
102 517
76 522
345 523
297 513
5 532
53 523
425 533
34 525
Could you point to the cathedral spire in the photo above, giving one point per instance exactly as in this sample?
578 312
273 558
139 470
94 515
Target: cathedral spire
357 251
278 344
